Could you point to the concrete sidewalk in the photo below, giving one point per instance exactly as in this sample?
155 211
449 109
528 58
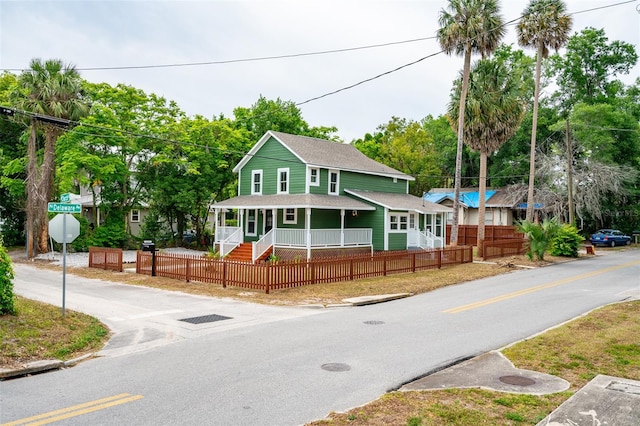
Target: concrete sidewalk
605 400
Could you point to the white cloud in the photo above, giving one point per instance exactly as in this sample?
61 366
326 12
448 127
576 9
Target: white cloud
124 33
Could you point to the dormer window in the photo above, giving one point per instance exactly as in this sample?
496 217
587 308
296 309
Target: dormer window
256 182
334 182
283 181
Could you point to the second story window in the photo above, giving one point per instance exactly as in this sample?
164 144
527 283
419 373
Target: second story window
256 182
334 183
135 215
283 181
314 177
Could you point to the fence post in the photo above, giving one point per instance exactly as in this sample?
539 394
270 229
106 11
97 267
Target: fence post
268 278
384 265
188 271
440 258
351 269
224 274
413 262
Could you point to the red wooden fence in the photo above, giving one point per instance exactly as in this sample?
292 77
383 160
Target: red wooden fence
281 275
501 248
105 258
468 234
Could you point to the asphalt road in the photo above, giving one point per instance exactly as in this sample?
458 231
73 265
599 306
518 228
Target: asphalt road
293 366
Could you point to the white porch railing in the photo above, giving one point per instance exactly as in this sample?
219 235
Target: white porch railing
428 240
233 239
323 237
262 245
228 238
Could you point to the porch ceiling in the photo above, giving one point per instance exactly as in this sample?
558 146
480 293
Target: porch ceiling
284 201
399 201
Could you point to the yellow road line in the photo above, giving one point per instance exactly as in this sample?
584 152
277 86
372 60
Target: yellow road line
76 410
537 288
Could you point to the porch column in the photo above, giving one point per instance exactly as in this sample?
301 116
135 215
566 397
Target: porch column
443 223
385 230
342 228
241 220
215 225
308 230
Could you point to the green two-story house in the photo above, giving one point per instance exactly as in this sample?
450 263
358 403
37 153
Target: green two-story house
308 197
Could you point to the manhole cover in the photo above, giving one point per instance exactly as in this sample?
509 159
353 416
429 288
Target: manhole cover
335 366
517 380
205 319
374 322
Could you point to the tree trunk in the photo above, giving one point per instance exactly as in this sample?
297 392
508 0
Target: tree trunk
572 218
481 197
458 176
534 128
32 189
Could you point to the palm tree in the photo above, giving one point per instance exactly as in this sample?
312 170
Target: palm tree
493 114
52 92
466 27
544 24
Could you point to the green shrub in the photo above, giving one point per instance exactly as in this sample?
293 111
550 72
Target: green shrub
109 235
539 236
567 241
6 284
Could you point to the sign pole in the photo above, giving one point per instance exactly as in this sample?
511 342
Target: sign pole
64 260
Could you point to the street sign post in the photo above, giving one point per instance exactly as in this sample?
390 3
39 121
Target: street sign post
64 228
64 208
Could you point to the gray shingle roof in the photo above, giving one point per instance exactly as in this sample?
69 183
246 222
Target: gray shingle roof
399 201
281 201
327 154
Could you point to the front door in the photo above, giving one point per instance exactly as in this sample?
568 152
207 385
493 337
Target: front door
412 232
268 220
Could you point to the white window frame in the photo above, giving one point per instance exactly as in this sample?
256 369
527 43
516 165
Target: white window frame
249 220
255 173
488 217
337 182
399 222
286 220
135 215
280 182
313 182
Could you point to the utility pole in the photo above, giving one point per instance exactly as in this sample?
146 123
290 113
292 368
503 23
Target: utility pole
572 218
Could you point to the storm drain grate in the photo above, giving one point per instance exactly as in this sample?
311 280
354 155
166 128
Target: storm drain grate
205 319
517 380
374 322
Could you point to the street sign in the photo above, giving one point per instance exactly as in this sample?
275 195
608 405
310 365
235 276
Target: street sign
64 208
58 229
65 198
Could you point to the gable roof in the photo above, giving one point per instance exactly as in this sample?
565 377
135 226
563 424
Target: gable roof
322 153
399 201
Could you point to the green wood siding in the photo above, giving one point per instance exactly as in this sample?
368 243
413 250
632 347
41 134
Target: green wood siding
269 158
351 180
397 241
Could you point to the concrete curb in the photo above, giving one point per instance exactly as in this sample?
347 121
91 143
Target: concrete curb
43 366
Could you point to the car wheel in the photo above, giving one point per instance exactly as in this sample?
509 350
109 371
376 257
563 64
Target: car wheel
613 244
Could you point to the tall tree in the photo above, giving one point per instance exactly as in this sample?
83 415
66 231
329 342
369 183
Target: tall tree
50 89
588 70
405 146
494 111
466 27
127 126
544 24
280 116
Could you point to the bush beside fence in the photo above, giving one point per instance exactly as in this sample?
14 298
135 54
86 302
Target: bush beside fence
289 274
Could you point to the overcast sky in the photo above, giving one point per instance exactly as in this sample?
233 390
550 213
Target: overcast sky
101 34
